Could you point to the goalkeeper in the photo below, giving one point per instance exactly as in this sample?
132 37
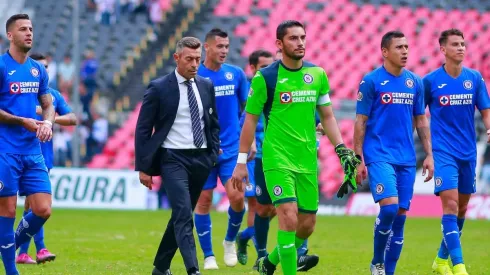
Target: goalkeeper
288 92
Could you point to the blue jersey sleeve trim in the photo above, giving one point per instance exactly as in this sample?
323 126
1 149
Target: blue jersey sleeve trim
270 76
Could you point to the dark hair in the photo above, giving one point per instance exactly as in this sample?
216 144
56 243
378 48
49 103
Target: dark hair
188 42
216 32
38 56
445 34
14 18
253 59
282 29
387 37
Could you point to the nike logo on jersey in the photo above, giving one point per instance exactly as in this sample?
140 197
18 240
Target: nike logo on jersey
12 72
7 246
441 86
384 82
283 80
203 233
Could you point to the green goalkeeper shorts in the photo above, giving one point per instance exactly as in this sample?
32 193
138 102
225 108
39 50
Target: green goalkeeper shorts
287 186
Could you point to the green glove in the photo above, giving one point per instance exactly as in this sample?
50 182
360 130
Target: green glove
349 162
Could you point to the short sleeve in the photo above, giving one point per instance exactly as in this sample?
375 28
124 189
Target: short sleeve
418 103
323 97
365 97
243 86
62 107
257 95
427 90
43 81
482 99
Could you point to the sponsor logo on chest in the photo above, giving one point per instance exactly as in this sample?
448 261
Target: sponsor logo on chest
297 96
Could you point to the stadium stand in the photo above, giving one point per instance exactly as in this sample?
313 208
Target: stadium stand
343 38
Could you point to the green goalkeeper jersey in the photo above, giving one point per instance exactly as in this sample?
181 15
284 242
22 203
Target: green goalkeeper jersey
288 98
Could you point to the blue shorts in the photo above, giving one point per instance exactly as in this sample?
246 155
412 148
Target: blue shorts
250 189
25 174
453 173
389 180
223 169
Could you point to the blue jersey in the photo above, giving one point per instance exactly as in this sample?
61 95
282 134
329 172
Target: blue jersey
20 86
390 102
61 108
452 103
231 90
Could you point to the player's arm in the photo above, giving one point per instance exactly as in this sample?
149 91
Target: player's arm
423 130
329 123
65 117
483 104
365 99
243 89
255 104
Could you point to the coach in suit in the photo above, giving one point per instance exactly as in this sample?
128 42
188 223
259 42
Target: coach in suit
181 108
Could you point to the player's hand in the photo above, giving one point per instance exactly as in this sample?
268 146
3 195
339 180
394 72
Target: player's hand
488 136
240 176
361 173
44 131
319 128
30 124
349 162
428 168
253 152
146 180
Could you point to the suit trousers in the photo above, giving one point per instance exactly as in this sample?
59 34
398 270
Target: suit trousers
184 172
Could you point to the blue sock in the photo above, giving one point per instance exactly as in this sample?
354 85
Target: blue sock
443 252
39 239
234 223
28 227
7 245
303 248
261 232
247 234
395 244
450 232
203 228
382 230
24 248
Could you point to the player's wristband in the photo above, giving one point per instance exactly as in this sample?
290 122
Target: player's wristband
49 123
359 157
242 158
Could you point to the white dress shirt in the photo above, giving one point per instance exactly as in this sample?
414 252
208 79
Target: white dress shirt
180 135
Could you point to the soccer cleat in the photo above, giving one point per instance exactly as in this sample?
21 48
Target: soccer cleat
24 258
230 257
241 250
256 265
459 269
441 267
44 256
307 262
210 263
265 267
378 269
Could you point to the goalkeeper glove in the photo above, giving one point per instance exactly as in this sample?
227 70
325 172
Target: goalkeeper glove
349 161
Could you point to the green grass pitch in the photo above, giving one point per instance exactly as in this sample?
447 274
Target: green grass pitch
124 242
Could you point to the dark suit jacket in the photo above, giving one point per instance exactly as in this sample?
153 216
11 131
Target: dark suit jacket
158 112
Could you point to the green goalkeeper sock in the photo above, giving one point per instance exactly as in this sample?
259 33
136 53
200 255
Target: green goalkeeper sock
287 251
298 242
274 256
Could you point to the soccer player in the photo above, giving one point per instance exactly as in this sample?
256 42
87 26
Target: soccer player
288 92
231 89
388 98
65 118
452 92
23 83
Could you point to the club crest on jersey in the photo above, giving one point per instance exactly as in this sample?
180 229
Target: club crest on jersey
258 190
1 185
467 84
229 76
438 182
14 88
285 97
386 98
307 78
359 96
379 188
34 72
277 190
444 100
409 83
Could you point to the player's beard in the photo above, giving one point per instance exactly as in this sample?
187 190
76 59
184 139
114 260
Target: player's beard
293 56
23 47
